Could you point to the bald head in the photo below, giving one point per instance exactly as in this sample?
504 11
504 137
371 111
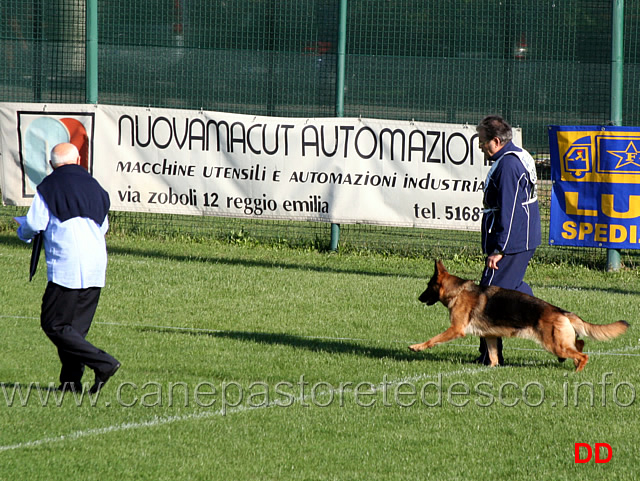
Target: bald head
63 154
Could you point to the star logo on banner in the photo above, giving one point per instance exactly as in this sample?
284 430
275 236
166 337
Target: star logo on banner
627 157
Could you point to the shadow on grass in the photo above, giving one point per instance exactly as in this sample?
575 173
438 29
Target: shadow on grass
13 241
316 344
50 387
267 263
347 347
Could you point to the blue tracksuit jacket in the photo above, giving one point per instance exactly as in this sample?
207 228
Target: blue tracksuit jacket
511 218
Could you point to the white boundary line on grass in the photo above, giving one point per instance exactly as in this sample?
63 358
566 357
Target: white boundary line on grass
162 421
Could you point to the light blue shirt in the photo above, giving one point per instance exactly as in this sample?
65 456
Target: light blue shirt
75 250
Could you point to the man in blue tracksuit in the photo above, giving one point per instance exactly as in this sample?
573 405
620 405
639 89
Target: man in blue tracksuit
511 219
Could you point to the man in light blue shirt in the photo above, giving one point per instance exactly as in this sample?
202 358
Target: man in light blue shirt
70 208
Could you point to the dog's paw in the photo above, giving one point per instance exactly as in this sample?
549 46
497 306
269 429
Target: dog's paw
416 347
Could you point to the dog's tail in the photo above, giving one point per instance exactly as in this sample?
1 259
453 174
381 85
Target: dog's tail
599 332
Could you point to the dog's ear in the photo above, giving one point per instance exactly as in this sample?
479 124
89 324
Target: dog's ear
440 267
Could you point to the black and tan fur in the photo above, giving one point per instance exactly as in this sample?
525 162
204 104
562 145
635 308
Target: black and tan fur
493 312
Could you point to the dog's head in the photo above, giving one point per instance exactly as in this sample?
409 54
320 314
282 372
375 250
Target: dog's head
431 295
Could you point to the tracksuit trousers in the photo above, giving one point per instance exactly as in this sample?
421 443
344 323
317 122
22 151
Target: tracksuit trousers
509 275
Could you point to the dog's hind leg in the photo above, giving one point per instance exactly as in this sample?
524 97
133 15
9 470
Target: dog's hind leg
582 359
560 338
579 347
569 347
579 359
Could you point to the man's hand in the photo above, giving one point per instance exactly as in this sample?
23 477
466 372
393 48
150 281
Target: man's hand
493 259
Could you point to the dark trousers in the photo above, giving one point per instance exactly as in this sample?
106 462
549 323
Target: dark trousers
509 275
65 318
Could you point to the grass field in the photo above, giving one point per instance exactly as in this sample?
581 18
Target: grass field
247 362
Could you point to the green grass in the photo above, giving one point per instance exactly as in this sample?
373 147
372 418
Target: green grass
317 344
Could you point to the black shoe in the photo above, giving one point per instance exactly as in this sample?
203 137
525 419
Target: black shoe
70 387
101 379
484 359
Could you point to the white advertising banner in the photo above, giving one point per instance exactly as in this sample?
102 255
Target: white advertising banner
340 170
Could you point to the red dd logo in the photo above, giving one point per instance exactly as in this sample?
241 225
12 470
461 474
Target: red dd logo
580 447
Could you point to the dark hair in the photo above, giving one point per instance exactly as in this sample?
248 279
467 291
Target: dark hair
495 126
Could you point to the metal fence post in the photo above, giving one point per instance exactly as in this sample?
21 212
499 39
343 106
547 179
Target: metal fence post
91 63
617 67
340 75
38 27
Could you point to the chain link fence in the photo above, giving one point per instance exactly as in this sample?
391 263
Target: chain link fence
536 62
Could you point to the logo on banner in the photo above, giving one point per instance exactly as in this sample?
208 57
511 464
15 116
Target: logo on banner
596 194
620 156
39 132
611 157
577 160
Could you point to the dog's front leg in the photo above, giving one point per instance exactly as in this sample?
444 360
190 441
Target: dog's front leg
448 335
492 349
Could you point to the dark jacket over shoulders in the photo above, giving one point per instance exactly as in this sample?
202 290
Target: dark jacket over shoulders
70 191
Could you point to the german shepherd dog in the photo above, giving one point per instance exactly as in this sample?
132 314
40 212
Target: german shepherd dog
493 312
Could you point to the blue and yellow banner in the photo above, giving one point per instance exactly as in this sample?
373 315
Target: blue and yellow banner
595 198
